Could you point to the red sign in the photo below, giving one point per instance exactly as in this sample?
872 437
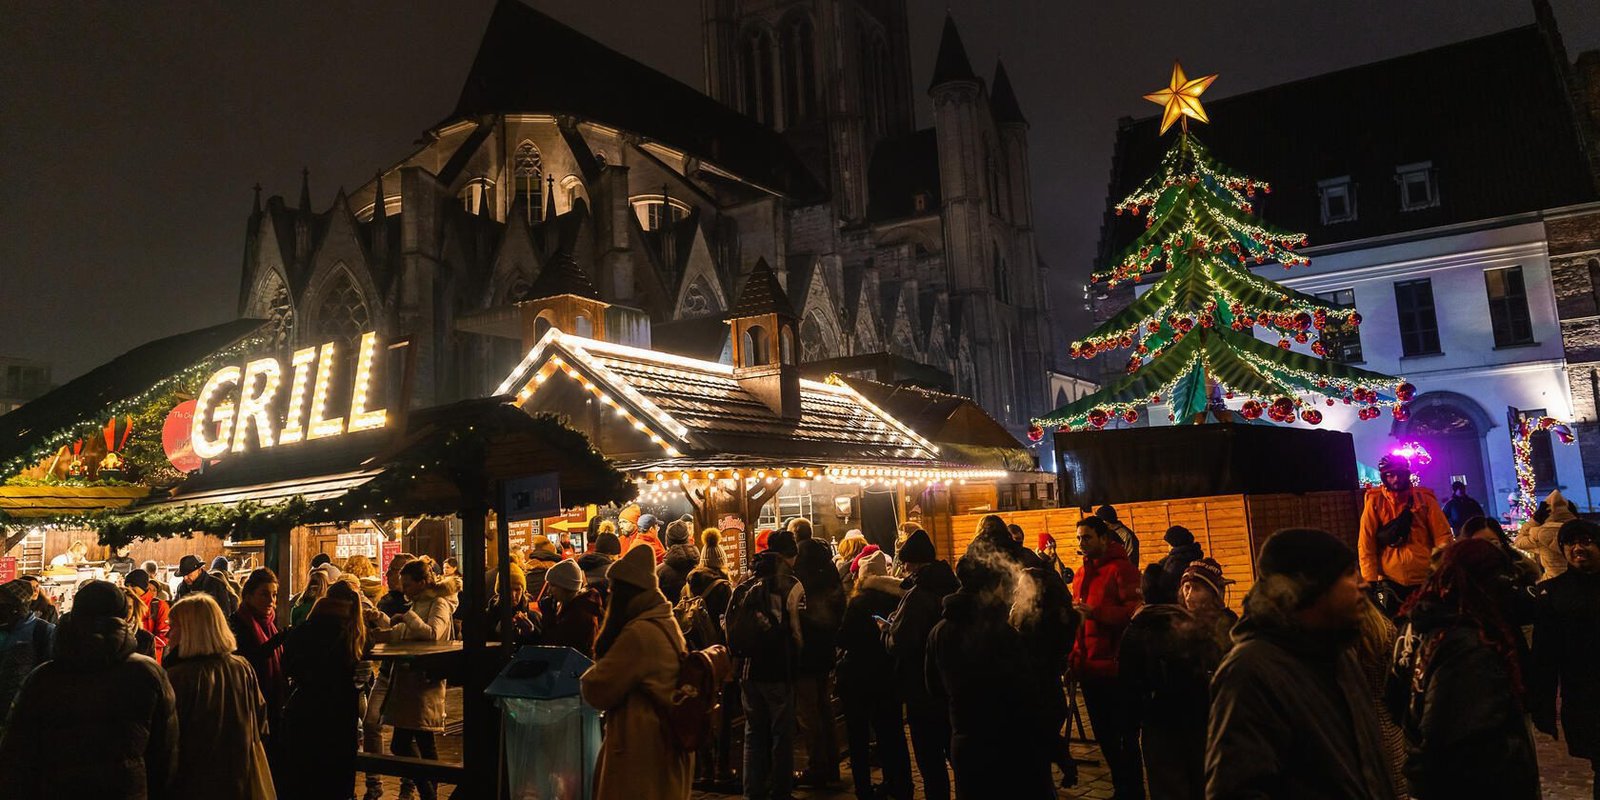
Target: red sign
386 553
8 569
175 434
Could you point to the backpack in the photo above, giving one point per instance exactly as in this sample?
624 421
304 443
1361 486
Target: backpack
1396 532
696 696
757 621
695 621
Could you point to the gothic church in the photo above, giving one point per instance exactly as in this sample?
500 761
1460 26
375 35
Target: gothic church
574 186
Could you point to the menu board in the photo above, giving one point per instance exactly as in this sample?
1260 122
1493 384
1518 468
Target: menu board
8 569
387 552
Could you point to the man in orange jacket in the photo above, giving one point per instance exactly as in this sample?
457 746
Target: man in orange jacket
1391 552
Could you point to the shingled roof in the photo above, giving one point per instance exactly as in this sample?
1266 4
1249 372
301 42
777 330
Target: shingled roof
1492 115
762 294
511 74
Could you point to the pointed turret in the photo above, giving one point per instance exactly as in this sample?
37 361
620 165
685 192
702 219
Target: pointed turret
550 197
255 209
379 200
763 342
952 64
305 190
1004 99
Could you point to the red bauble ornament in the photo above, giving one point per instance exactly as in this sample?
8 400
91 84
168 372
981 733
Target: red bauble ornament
1098 418
1283 343
1284 406
1311 416
1302 320
1153 327
1035 433
1328 401
1301 337
1354 319
1251 409
1131 415
1401 413
1405 392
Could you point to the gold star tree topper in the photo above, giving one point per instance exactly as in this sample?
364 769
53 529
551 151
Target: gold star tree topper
1181 99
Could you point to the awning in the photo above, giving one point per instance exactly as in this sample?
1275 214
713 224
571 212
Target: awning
315 488
35 502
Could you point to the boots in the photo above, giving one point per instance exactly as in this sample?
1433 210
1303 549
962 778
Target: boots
374 788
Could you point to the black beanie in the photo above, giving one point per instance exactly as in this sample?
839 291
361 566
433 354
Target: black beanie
1317 559
138 579
608 543
1178 535
100 599
918 548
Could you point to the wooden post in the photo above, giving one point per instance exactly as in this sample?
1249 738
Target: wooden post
502 544
481 748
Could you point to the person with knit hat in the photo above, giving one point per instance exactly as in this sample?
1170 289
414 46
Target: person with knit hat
681 557
1290 716
569 610
605 550
25 641
1401 526
1540 539
766 637
97 717
928 582
633 678
711 586
819 622
524 617
1048 558
866 682
1201 591
1161 578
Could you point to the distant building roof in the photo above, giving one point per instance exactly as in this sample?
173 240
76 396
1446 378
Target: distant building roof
513 73
959 426
1492 115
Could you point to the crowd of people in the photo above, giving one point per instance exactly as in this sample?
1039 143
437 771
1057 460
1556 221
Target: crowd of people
1399 668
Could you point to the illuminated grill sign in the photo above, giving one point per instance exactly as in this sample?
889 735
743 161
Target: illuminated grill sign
239 400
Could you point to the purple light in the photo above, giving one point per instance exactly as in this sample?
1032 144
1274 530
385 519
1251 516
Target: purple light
1413 452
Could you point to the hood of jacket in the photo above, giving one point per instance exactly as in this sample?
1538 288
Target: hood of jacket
883 583
682 558
1186 552
589 562
1559 510
936 578
969 608
94 643
1276 627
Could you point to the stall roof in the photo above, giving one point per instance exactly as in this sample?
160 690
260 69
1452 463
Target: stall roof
699 412
960 427
95 394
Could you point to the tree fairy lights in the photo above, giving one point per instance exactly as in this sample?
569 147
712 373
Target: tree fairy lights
1194 332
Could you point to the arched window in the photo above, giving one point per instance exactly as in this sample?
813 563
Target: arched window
475 195
812 345
786 345
758 83
1002 288
528 169
757 350
799 69
875 77
541 325
342 316
582 326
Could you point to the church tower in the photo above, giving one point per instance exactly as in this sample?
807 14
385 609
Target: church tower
834 76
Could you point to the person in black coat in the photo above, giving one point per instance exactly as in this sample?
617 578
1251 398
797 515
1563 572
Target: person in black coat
819 626
682 557
999 727
319 659
1457 683
866 682
97 720
1566 646
1161 579
1048 623
196 579
927 714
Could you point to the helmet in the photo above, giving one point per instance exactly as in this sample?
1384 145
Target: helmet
1393 463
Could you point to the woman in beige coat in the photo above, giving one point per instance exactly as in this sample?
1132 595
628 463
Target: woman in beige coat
414 702
632 682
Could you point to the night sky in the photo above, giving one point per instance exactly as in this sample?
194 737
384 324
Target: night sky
132 132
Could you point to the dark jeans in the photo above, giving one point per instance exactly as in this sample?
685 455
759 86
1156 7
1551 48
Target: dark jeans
1116 730
814 708
413 743
873 713
768 740
1175 760
930 740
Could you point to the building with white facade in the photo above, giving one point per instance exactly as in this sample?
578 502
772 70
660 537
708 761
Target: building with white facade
1451 197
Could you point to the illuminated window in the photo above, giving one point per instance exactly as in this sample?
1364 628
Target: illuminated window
528 171
1417 188
1508 307
1338 200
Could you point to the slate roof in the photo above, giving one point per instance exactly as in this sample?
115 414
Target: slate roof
705 413
952 63
1492 115
513 73
562 274
762 294
902 168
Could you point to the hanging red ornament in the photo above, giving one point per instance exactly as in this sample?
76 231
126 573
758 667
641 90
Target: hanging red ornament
1284 406
1283 343
1153 327
1035 433
1401 413
1405 392
1302 337
1131 416
1098 418
1311 416
1354 319
1302 320
1251 409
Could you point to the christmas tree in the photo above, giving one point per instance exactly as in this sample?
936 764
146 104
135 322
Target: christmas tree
1193 333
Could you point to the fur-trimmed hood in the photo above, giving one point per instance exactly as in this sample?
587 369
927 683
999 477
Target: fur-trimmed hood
883 583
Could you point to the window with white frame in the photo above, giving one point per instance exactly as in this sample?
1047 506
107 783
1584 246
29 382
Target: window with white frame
1417 189
1338 200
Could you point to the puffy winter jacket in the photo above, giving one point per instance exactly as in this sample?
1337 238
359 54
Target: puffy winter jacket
97 721
574 624
864 663
1539 541
1405 564
1109 586
416 697
920 609
674 571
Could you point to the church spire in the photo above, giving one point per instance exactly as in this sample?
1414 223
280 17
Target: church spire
550 197
1004 100
305 190
952 65
255 209
379 201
